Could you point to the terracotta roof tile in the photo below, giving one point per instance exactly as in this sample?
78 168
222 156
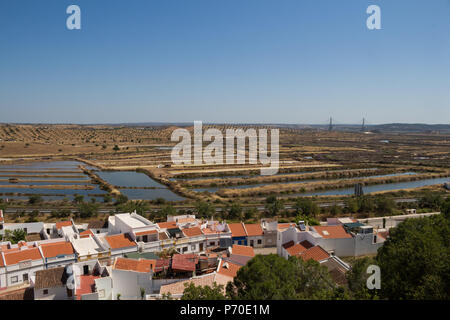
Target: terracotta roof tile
228 268
167 225
296 249
141 265
22 255
192 232
316 253
237 230
86 234
61 224
332 232
162 264
87 284
254 229
51 250
184 262
118 241
243 250
285 225
147 232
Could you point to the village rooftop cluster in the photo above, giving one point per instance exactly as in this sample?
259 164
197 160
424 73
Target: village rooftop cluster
123 257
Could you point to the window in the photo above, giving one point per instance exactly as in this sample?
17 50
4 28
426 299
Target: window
14 279
193 247
45 291
1 226
259 241
25 277
185 249
101 293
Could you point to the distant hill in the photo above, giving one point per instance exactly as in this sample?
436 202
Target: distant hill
411 127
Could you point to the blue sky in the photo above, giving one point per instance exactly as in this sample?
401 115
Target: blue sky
258 61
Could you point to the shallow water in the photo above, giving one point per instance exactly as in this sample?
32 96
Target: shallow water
151 194
128 179
215 189
378 187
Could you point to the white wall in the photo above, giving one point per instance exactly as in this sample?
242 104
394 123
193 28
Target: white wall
32 227
55 293
128 284
104 288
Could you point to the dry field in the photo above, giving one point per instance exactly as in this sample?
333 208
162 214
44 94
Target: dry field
304 154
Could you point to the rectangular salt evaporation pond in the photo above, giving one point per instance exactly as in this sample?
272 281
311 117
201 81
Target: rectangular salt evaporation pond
44 191
377 187
54 197
44 165
129 179
151 194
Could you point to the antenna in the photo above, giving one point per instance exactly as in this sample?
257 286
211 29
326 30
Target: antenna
363 127
330 127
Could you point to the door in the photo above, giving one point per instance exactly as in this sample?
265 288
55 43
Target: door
85 270
25 277
251 243
201 247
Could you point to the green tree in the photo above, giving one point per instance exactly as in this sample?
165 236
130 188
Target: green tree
366 204
306 207
414 260
431 201
274 207
385 205
357 279
351 205
204 209
275 278
234 211
167 210
78 198
250 213
192 292
34 199
14 236
445 208
107 198
121 199
87 210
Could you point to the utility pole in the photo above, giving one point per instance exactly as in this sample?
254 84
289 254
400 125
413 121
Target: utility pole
363 128
330 127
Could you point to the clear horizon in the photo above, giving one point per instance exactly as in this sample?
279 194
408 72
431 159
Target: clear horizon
256 62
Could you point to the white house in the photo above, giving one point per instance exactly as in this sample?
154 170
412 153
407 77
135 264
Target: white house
50 284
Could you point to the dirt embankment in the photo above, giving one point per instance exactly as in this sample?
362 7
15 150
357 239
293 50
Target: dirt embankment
286 178
157 175
103 184
54 187
323 185
91 163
